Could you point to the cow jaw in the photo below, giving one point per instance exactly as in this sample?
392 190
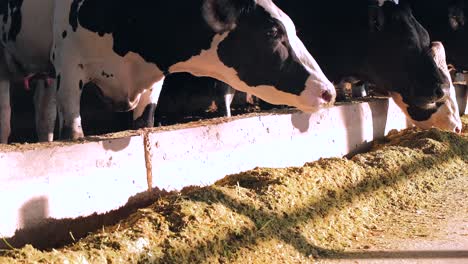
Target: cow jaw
208 63
446 117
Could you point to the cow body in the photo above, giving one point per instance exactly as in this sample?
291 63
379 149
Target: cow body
384 45
250 45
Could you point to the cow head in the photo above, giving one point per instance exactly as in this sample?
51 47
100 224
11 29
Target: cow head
404 63
456 14
256 50
457 40
249 44
442 113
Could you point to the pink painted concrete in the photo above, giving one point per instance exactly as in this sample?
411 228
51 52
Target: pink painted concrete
202 155
462 98
70 180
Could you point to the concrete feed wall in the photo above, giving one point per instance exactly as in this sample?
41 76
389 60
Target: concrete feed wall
68 180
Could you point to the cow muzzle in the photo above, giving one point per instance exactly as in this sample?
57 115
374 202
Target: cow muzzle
317 94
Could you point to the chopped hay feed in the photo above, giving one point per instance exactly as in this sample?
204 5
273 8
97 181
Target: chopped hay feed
283 215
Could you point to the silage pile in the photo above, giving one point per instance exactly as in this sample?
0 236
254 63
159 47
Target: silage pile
279 215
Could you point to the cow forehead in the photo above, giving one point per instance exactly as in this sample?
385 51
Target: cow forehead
381 2
278 14
298 47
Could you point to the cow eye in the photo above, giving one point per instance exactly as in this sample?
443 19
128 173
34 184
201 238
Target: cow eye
273 32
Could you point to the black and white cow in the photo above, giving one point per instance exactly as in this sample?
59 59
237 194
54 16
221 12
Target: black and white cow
25 44
126 47
26 30
446 21
380 42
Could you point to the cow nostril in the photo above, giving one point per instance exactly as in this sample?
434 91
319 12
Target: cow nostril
327 96
457 130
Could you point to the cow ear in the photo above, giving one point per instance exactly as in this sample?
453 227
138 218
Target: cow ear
222 15
438 53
